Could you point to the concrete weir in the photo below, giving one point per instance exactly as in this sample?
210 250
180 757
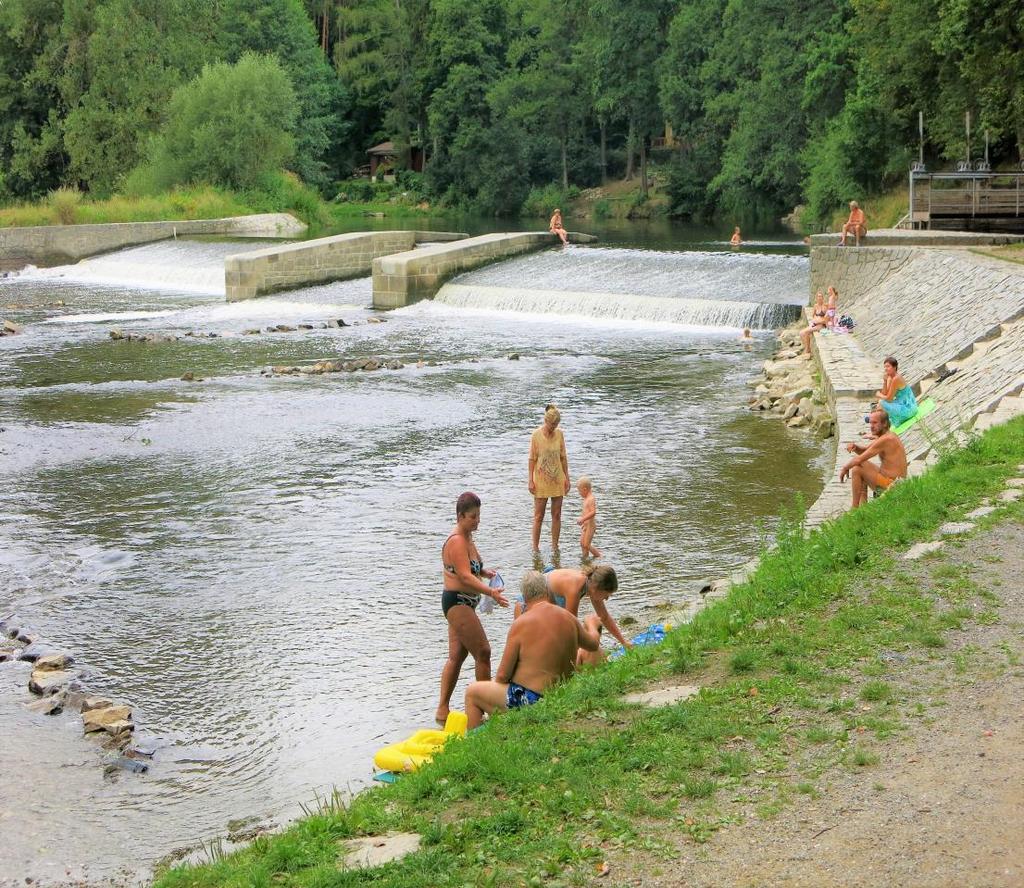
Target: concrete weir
46 245
320 261
408 277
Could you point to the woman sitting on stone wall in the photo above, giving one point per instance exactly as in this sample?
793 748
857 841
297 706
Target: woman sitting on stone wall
895 397
817 322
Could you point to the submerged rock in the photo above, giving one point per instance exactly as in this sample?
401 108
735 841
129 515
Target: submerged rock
125 763
37 649
47 706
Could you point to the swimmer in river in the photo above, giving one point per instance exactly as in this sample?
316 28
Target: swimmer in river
588 520
736 238
746 338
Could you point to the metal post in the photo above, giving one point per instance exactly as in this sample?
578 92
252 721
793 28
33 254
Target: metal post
920 133
912 223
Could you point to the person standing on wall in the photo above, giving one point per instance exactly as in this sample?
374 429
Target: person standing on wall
548 471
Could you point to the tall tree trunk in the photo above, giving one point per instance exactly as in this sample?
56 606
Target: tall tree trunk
565 162
629 151
643 165
325 29
604 152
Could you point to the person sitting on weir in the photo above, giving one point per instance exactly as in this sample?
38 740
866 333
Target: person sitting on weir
863 473
736 238
541 650
896 397
855 225
556 227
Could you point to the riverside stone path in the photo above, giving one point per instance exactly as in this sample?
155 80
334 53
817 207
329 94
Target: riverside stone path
940 807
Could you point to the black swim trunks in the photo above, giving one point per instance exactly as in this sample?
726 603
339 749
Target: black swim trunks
450 598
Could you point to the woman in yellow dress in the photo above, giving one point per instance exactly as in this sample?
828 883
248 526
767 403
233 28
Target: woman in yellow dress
548 474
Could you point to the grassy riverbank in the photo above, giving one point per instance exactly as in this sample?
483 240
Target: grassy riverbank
282 194
792 669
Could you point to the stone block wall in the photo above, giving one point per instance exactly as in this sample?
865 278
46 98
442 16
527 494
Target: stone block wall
46 245
926 307
259 272
408 277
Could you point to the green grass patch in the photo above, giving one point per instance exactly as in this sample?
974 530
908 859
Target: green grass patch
278 194
542 794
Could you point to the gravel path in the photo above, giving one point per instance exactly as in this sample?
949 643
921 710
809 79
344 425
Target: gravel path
945 804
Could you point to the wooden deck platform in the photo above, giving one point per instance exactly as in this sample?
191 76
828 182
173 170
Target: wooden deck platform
966 199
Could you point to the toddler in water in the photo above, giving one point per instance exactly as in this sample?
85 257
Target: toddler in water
588 520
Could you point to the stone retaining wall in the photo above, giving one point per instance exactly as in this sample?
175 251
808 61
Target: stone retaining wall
46 245
259 272
936 311
408 277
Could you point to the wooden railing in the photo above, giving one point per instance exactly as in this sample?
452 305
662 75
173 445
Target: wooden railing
966 195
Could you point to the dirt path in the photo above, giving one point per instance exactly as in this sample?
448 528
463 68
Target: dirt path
945 804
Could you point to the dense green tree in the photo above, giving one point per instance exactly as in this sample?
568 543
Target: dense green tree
230 126
32 158
773 101
139 51
282 27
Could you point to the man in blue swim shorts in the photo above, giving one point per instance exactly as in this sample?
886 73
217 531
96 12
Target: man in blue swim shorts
540 651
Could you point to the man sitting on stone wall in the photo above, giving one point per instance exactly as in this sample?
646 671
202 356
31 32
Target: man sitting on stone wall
540 651
855 225
864 474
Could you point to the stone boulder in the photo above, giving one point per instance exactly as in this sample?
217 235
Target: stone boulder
48 681
89 704
112 719
47 706
37 649
59 660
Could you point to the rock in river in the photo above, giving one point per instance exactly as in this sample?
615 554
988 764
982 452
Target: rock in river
38 649
59 660
48 681
112 719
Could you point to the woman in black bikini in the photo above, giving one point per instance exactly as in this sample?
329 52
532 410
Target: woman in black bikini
818 321
463 586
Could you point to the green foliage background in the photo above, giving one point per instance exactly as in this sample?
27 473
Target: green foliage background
772 103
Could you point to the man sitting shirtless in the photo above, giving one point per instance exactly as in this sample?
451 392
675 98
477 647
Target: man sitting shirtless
864 474
855 225
540 651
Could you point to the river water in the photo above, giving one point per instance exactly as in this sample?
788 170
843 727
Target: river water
252 562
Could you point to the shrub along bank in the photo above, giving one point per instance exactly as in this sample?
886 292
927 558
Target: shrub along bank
789 666
277 193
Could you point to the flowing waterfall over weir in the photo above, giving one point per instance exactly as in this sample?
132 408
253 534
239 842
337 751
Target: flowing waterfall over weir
186 266
695 289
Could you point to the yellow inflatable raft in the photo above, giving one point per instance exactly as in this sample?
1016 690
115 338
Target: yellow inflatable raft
421 747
